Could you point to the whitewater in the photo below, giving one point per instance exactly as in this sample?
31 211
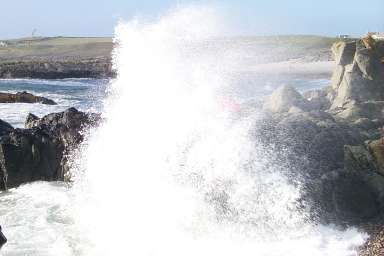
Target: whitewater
173 169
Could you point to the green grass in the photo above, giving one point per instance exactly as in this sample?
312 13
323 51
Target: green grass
56 48
276 48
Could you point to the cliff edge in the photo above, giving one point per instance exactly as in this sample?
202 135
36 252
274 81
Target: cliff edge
56 58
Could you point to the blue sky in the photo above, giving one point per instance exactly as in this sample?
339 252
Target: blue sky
247 17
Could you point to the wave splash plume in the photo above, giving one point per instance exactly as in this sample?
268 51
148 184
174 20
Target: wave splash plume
174 169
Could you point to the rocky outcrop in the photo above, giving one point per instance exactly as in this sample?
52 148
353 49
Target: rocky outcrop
57 69
283 99
310 146
335 149
358 80
40 152
328 138
24 97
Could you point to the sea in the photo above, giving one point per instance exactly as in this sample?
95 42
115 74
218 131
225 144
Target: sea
171 171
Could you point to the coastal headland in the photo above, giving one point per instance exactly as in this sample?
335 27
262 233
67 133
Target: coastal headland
56 57
90 57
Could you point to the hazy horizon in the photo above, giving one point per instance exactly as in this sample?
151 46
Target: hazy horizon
111 36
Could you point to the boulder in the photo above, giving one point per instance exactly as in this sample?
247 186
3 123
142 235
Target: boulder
40 152
30 155
318 99
310 143
24 97
283 99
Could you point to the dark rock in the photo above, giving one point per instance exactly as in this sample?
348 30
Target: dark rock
41 151
310 142
343 198
24 97
358 158
3 239
5 127
376 148
30 155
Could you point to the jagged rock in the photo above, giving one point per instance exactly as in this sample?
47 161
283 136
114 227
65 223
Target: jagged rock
364 60
29 155
283 99
343 52
24 97
337 76
376 147
5 127
359 76
40 152
31 120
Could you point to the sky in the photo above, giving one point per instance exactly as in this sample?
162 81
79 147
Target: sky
247 17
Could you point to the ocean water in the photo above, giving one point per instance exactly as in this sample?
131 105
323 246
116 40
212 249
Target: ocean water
83 94
173 170
88 94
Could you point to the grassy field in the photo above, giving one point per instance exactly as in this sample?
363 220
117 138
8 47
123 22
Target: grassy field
55 48
267 48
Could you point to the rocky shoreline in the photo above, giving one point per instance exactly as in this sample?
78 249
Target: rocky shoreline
24 97
332 140
57 69
40 151
56 58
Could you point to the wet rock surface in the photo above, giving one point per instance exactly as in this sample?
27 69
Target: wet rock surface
330 139
40 151
24 97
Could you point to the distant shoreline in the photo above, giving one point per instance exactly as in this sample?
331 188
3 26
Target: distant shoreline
294 68
56 57
90 57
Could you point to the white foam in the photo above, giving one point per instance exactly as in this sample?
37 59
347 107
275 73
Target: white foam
172 172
